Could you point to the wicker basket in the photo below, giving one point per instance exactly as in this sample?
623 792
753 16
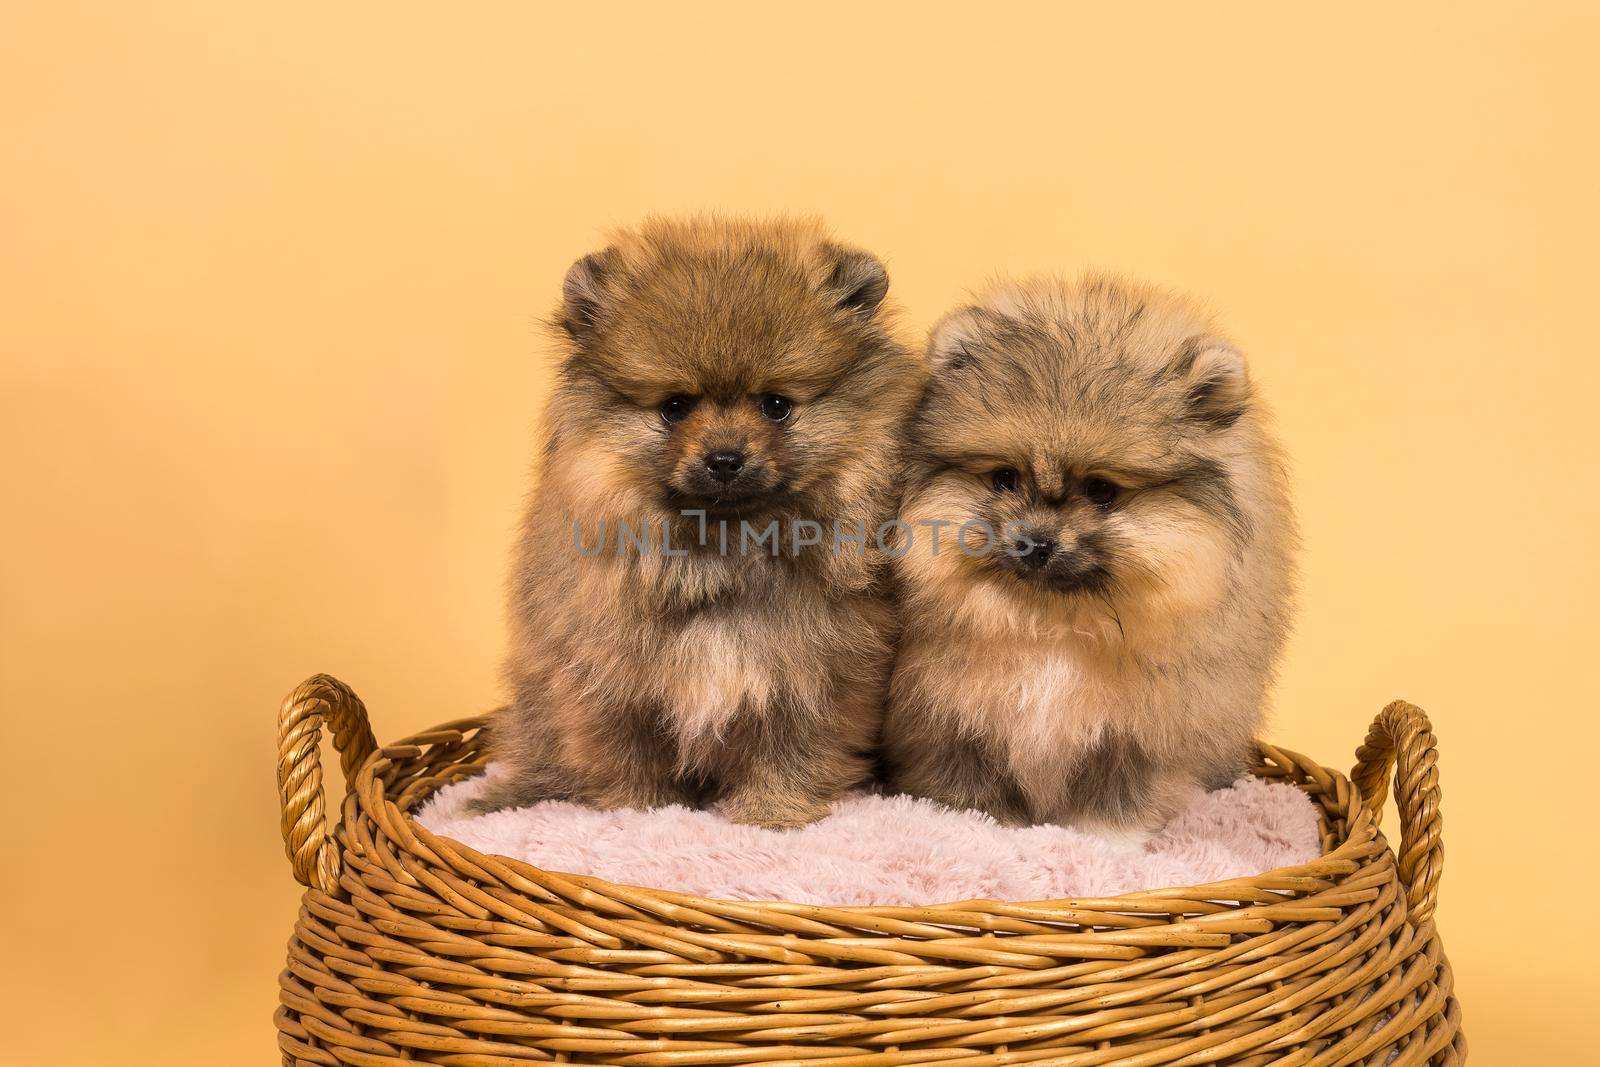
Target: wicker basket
412 947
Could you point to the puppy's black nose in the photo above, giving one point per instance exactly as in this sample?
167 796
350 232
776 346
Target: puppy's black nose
1033 549
724 466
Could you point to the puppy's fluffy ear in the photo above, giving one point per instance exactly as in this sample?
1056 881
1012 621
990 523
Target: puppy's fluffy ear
856 279
954 340
1217 381
584 293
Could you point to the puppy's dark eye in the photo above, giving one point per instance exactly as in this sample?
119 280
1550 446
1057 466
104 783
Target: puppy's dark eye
775 407
677 408
1101 493
1005 480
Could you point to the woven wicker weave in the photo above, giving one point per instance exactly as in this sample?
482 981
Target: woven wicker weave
411 947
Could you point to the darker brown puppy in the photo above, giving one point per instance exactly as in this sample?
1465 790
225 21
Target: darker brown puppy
687 623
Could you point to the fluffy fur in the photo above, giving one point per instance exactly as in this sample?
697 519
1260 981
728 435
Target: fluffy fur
744 371
1108 653
889 850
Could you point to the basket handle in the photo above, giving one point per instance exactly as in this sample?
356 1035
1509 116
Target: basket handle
1401 737
305 832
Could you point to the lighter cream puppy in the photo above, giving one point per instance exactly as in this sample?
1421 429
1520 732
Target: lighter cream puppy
1108 651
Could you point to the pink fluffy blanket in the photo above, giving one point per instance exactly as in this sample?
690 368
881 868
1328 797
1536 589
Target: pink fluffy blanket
889 850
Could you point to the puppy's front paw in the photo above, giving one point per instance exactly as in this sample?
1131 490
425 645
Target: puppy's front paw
503 793
1126 841
494 798
774 812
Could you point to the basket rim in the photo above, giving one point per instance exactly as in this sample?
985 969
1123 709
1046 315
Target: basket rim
1326 785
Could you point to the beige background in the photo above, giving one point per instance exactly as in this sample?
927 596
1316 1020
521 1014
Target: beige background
269 277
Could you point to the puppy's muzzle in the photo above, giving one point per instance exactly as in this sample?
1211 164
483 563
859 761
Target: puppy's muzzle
725 465
1032 550
724 475
1038 557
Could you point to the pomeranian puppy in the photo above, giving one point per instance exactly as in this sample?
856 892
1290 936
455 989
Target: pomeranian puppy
699 610
1092 640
